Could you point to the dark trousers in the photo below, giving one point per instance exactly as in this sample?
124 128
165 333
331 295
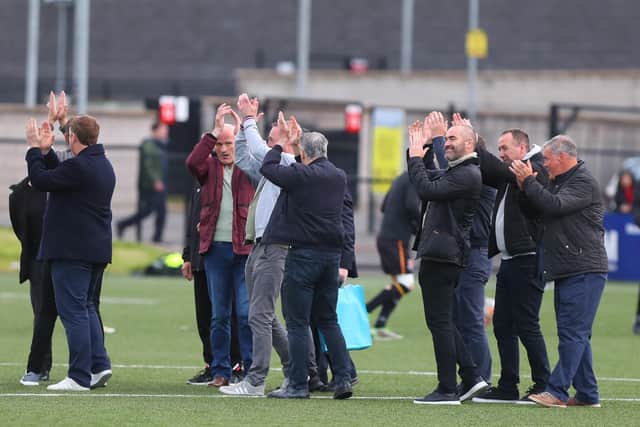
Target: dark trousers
438 282
519 291
43 303
149 203
310 290
323 359
468 313
203 321
76 285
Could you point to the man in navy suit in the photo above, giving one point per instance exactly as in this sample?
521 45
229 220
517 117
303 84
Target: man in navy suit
76 240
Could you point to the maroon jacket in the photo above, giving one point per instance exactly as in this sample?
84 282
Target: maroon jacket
208 170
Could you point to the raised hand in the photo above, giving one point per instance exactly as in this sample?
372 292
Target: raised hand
522 170
437 124
52 114
416 140
33 133
248 107
238 122
458 120
283 130
218 124
62 109
46 137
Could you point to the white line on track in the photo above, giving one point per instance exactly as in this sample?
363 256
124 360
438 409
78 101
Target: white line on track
221 396
362 371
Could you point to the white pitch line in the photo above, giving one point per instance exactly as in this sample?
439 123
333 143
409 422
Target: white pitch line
103 300
361 371
222 396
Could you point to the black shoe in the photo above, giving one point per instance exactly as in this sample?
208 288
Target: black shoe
289 393
332 385
343 391
203 377
471 389
534 389
316 384
437 398
497 395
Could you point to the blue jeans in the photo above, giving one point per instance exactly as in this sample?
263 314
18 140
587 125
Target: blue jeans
576 301
468 310
225 278
310 290
75 284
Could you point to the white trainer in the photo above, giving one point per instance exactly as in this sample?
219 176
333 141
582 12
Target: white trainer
100 379
67 384
243 388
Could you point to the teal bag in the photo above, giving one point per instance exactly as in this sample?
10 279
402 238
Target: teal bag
352 318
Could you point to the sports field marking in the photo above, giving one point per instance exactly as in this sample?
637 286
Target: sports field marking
362 371
223 396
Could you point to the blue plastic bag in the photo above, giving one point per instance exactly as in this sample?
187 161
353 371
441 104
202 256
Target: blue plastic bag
352 318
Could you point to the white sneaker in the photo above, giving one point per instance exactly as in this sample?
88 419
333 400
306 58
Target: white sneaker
243 388
100 379
67 384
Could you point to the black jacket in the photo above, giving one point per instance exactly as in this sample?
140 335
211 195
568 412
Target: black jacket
308 212
190 252
522 221
26 210
77 221
573 213
401 211
453 196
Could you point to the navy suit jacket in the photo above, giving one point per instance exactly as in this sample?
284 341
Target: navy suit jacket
77 219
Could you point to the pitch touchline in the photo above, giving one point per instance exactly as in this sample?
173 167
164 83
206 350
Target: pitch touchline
222 396
362 371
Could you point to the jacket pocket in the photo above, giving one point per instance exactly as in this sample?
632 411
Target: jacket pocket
442 245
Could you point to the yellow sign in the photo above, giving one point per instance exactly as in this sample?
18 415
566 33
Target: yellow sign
477 44
386 161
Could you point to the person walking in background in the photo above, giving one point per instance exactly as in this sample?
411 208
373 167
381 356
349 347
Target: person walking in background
152 175
76 240
401 214
575 259
225 197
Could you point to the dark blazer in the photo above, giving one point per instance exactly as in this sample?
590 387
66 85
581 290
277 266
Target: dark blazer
26 210
522 221
77 221
308 212
573 239
452 197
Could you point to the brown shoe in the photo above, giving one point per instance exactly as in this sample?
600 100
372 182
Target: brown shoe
575 402
547 399
219 381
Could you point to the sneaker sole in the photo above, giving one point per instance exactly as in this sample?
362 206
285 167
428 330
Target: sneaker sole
29 383
483 400
443 402
481 386
525 402
195 383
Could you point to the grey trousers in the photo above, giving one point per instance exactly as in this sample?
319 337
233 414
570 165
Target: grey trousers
263 275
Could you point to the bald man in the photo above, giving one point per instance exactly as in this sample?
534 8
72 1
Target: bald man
225 197
443 244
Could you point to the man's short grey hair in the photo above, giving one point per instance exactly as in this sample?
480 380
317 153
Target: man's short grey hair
562 144
314 144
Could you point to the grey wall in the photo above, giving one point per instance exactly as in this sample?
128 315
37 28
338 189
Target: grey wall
146 47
